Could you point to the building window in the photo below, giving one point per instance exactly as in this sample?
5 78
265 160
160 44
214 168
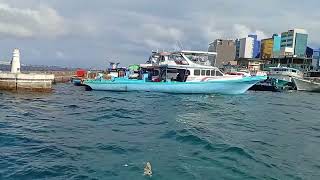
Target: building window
197 72
203 72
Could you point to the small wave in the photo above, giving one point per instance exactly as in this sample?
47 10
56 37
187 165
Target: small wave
112 99
16 140
262 143
161 123
114 148
102 117
42 172
116 130
48 151
29 114
188 138
72 106
215 147
104 98
239 151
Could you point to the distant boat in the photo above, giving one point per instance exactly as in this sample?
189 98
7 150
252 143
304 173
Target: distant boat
78 78
284 74
312 85
178 72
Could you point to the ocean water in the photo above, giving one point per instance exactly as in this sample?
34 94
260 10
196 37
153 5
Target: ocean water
76 134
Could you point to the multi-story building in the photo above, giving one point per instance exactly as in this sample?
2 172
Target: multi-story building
266 48
316 59
270 48
244 47
225 49
294 43
256 46
276 46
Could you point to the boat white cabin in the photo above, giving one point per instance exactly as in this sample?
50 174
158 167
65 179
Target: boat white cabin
189 66
312 85
284 73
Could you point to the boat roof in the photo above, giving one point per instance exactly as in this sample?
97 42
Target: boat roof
197 52
186 52
191 66
283 68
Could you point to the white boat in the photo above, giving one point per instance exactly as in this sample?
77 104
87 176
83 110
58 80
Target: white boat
193 63
178 72
312 84
284 74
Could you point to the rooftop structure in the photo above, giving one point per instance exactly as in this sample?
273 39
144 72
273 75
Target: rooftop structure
225 49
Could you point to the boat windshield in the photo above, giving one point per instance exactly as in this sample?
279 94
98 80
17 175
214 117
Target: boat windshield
202 59
178 59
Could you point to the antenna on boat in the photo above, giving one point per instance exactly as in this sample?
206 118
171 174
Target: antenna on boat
179 44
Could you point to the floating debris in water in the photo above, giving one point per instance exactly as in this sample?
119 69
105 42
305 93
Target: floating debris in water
148 169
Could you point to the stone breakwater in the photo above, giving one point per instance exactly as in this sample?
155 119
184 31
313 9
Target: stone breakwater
19 81
62 76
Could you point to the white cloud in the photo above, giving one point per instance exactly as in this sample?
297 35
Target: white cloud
26 23
242 31
129 30
158 36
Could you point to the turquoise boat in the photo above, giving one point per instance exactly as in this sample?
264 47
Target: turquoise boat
178 72
208 87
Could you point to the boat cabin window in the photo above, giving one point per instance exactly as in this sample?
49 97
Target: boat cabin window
208 73
280 70
155 73
218 73
213 73
197 72
178 59
203 72
293 70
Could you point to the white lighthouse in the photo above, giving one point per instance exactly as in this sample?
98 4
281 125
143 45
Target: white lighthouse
15 63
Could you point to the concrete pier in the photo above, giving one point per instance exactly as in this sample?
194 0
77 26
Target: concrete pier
15 80
34 82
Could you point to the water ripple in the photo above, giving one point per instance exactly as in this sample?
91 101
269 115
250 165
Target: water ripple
76 134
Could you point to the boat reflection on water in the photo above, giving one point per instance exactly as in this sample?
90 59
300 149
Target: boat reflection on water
178 72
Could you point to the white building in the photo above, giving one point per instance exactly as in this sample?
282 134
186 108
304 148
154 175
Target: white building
244 47
294 43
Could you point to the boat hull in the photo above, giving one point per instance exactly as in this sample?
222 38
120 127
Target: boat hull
77 81
221 87
306 85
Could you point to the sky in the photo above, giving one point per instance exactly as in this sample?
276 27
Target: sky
91 33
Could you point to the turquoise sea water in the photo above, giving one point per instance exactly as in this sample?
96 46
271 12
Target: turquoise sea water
77 134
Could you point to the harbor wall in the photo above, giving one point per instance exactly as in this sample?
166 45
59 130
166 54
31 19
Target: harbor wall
33 82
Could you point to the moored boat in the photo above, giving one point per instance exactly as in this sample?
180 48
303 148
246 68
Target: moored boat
177 72
207 87
79 76
311 84
284 74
